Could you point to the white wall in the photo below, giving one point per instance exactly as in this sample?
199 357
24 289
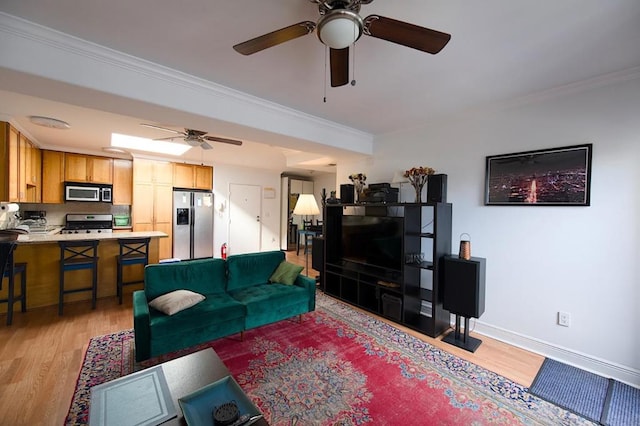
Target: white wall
326 181
223 176
540 260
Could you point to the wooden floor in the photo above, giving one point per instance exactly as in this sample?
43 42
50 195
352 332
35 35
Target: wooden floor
41 355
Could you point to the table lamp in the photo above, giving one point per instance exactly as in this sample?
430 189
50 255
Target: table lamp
306 206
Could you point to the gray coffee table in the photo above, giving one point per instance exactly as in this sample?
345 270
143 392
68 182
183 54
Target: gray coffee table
189 373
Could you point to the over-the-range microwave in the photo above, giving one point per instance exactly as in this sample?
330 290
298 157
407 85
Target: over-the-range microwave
100 193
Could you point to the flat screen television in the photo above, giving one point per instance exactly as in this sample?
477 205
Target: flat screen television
373 240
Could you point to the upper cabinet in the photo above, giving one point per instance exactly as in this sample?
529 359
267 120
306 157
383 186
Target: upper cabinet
151 171
52 177
192 176
301 186
20 167
122 181
88 168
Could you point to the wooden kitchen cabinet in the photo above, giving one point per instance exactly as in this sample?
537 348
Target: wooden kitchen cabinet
20 166
122 182
192 176
31 163
88 168
151 208
203 177
52 177
14 183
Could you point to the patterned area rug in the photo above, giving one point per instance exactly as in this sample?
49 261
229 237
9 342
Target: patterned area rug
342 367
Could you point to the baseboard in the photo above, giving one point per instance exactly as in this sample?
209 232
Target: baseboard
590 363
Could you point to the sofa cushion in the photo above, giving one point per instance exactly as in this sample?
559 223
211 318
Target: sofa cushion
216 308
204 276
261 299
176 301
246 270
286 273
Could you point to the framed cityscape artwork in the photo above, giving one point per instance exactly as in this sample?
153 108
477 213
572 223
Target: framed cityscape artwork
546 177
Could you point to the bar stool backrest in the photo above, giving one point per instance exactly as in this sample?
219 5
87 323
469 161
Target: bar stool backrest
78 252
8 242
134 248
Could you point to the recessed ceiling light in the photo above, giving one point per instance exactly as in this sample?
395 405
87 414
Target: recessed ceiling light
149 145
52 123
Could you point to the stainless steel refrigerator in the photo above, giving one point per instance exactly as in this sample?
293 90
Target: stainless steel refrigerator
192 224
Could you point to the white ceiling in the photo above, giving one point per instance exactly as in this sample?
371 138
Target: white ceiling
499 50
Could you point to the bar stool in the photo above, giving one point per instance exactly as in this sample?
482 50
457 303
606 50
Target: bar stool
133 251
9 269
74 256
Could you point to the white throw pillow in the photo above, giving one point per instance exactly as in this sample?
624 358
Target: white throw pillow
176 301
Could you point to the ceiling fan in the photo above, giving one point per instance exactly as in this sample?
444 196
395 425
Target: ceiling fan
193 137
340 26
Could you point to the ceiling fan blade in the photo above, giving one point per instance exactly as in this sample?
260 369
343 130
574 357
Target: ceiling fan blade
339 59
153 126
274 38
223 140
425 39
205 145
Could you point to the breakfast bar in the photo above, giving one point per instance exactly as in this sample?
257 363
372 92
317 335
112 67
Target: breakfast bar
41 253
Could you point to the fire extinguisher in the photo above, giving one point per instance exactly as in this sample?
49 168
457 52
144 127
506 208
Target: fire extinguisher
223 251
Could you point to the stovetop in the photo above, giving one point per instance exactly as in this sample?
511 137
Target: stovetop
88 224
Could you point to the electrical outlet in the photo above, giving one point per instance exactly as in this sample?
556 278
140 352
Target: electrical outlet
564 319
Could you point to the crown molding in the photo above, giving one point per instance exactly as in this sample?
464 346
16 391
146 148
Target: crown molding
359 141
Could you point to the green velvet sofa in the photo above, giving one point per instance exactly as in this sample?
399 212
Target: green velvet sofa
238 297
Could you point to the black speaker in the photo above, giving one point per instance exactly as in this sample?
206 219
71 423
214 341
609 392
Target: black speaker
346 193
317 254
437 188
464 286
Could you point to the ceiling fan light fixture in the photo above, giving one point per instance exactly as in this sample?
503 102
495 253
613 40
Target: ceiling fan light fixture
340 28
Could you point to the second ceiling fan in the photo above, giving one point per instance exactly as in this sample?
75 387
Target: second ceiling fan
340 26
193 137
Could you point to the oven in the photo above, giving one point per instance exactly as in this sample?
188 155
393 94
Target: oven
88 224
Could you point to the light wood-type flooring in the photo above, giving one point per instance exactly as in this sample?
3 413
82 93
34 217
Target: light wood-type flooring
41 355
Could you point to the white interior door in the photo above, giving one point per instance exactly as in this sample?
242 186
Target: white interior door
244 219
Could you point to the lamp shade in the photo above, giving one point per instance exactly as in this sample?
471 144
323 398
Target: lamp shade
306 205
340 28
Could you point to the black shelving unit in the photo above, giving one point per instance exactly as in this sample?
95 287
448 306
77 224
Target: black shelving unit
412 295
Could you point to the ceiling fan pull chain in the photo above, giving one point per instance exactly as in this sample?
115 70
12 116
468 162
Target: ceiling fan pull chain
324 86
353 65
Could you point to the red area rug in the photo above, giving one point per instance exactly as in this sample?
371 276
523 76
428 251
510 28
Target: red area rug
342 367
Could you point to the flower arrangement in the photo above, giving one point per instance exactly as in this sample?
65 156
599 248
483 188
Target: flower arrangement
358 180
418 176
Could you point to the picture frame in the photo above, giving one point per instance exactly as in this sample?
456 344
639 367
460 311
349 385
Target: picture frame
545 177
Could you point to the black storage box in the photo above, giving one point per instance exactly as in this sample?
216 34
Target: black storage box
380 193
392 307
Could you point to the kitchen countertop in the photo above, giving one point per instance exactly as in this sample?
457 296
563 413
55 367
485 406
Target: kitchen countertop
54 237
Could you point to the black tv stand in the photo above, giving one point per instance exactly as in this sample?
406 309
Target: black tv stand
412 295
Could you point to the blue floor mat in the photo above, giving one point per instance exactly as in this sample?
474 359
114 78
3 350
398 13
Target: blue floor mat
623 406
576 390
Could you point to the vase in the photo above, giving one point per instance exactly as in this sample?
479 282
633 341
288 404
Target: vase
418 189
358 187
